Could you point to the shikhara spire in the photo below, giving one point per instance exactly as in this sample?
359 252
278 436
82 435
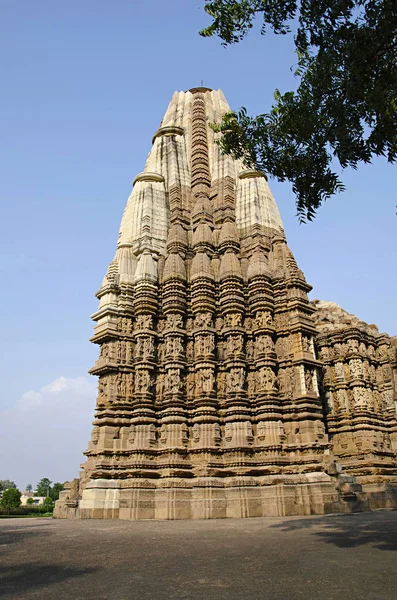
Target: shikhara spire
211 397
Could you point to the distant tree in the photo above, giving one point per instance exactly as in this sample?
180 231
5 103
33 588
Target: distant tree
55 491
30 501
345 107
11 498
47 501
43 487
6 484
29 487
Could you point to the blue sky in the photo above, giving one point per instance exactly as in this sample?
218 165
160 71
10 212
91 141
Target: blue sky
84 87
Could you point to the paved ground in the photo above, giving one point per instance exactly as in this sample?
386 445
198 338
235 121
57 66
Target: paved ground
353 556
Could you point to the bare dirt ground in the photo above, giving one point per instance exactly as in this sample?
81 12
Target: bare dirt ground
350 556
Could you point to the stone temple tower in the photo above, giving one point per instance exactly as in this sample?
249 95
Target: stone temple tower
208 398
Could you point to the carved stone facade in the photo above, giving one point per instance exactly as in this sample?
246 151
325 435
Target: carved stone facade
358 384
222 390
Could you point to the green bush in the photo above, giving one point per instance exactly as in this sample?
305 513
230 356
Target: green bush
10 499
34 510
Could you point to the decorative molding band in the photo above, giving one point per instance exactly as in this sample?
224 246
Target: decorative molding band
169 130
147 176
200 90
249 173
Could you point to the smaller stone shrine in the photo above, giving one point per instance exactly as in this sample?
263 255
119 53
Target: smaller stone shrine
358 386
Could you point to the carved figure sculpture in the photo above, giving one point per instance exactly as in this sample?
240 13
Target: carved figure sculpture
235 380
309 380
160 384
173 381
142 381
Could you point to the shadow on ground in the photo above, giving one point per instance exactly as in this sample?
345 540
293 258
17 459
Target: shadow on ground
15 581
348 531
15 534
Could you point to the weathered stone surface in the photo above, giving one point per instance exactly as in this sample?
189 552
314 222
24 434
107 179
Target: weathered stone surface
223 392
358 382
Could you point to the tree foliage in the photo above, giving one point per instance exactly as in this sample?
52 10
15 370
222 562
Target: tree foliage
43 487
29 487
5 484
11 498
345 105
55 491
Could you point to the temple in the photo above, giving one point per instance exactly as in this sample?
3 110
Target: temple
223 391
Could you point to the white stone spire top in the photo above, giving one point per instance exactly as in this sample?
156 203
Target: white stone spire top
164 187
